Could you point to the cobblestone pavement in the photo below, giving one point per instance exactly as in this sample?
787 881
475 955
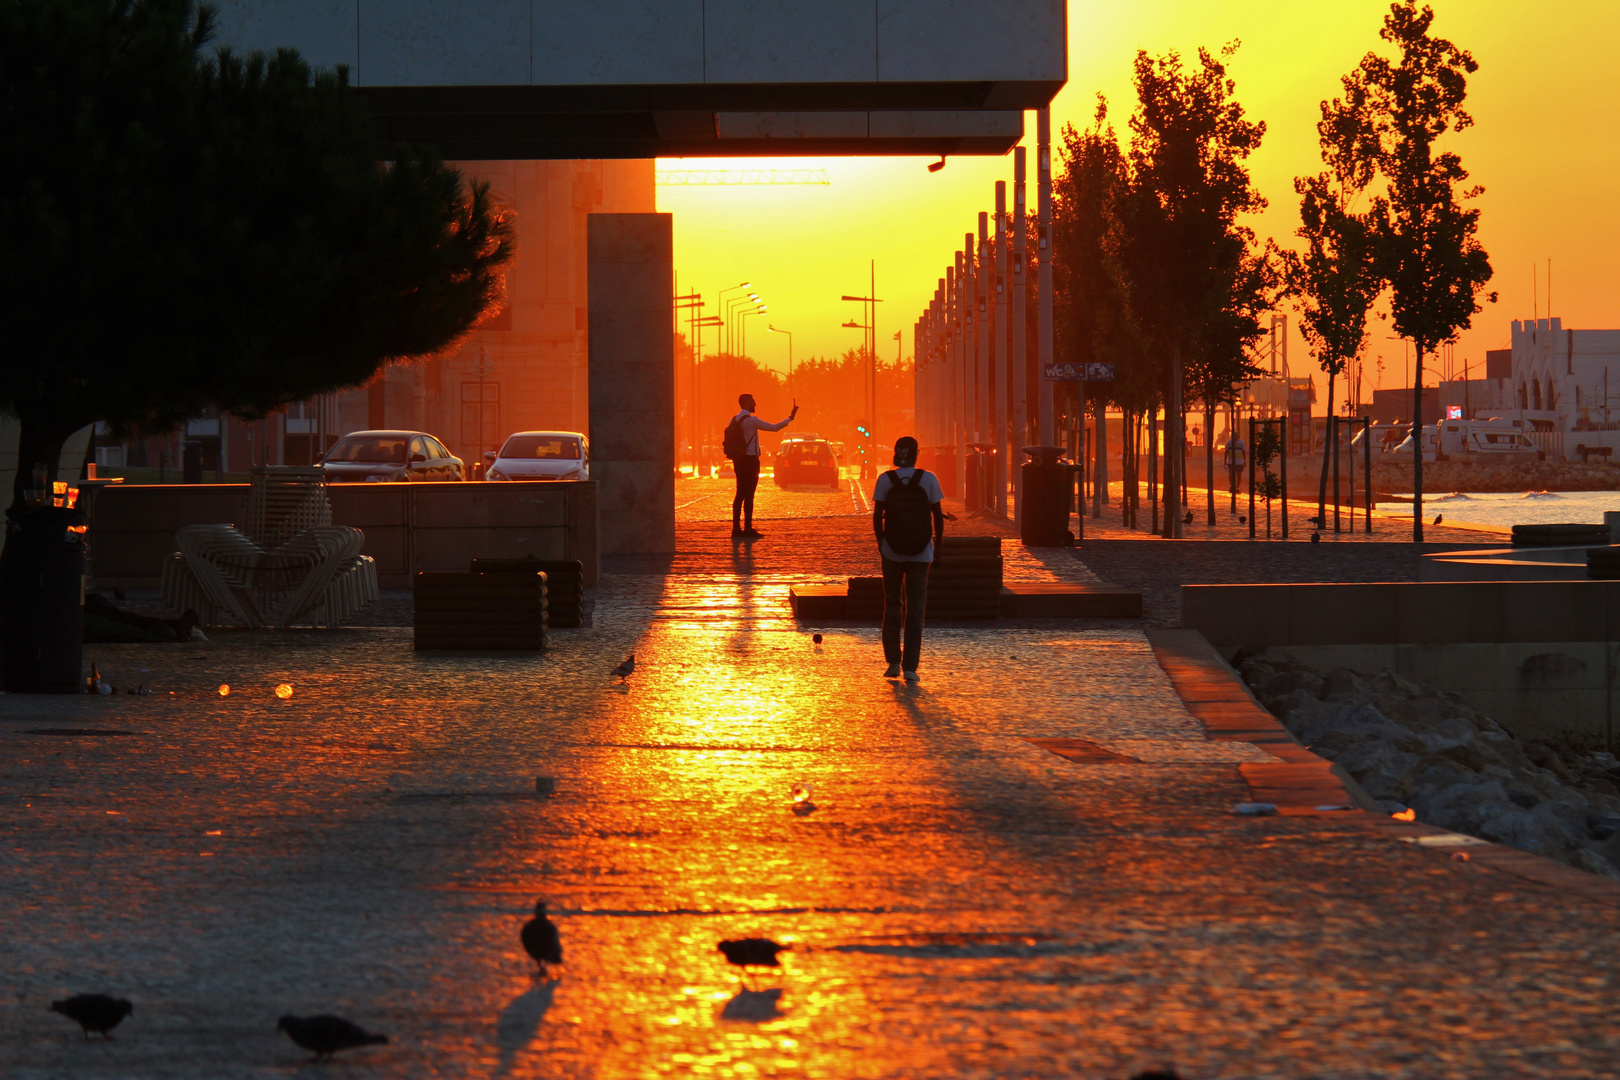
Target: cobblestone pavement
960 902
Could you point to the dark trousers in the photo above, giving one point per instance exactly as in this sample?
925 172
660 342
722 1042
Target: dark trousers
904 583
742 504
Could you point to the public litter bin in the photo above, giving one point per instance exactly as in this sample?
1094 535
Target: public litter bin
191 462
1048 498
42 601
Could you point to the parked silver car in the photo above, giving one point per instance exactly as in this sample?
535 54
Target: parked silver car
541 455
389 456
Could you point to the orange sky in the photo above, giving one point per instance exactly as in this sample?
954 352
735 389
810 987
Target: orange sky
1546 102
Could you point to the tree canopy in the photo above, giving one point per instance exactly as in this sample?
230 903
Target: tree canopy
190 228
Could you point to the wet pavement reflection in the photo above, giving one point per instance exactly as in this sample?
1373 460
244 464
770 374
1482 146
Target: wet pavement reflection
958 902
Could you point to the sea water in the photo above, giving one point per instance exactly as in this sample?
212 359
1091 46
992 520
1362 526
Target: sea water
1513 508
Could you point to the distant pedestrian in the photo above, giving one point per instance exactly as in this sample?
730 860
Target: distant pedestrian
908 518
741 445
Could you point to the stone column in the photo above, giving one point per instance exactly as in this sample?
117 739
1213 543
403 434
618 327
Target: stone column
631 288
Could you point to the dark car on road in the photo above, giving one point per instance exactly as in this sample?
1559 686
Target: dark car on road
806 463
381 457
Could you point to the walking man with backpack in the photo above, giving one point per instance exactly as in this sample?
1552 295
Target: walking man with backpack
908 519
741 445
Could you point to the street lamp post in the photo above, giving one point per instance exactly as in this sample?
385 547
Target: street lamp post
789 335
869 311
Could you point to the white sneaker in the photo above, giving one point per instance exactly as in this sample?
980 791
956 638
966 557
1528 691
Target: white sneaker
912 676
893 672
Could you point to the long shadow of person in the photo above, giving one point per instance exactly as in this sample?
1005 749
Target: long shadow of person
753 1006
515 1028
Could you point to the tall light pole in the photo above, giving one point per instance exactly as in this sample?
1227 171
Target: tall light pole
742 327
1043 251
720 301
789 335
1019 347
693 303
869 310
697 390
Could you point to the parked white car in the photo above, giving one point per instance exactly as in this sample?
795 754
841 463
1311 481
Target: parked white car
541 455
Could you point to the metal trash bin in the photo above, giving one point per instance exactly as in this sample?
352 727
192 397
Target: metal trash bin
42 601
1048 497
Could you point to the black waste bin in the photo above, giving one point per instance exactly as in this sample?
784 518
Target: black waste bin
42 601
1048 497
972 494
191 462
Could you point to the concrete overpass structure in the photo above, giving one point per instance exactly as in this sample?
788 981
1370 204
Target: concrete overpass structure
527 79
486 82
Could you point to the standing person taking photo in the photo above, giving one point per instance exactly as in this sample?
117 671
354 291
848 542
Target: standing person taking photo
908 519
741 445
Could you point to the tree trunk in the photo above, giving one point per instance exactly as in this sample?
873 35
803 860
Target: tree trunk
1153 468
39 442
1099 458
1417 445
1209 455
1327 441
1174 445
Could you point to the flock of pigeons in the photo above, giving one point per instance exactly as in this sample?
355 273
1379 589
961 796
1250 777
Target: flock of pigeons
325 1035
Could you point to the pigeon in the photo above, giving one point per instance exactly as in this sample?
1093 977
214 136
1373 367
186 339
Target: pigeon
94 1012
752 952
624 670
326 1035
540 940
815 639
1188 519
1438 518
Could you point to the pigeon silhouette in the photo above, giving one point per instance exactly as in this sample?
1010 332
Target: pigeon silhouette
540 938
326 1035
1438 518
624 670
815 639
94 1012
751 952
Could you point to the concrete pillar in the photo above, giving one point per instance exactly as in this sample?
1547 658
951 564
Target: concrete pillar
631 287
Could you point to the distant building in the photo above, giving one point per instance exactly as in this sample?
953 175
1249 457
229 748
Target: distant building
1564 384
1395 406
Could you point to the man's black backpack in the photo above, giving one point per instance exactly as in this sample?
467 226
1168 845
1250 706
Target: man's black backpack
908 515
735 442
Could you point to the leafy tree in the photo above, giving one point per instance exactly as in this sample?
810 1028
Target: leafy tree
186 229
1336 279
1179 245
1093 320
1427 240
1224 356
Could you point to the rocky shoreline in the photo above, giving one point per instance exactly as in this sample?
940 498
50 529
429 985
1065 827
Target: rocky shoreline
1411 747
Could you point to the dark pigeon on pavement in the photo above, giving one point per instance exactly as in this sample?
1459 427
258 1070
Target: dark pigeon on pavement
751 952
326 1035
94 1012
624 670
540 938
1439 518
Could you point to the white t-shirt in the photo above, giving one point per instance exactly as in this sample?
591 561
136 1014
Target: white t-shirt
753 425
930 486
